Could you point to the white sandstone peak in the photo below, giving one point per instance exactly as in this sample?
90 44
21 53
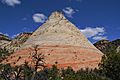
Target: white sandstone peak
57 30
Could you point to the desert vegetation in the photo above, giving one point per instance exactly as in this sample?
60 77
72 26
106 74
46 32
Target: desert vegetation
3 53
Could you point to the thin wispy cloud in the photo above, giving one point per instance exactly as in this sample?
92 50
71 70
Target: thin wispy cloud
94 33
69 11
39 18
99 38
90 32
6 34
11 2
15 35
24 19
26 29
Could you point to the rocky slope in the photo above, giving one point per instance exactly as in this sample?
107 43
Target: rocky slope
104 45
4 39
15 43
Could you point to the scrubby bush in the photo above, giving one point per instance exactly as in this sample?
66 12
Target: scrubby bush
110 64
3 53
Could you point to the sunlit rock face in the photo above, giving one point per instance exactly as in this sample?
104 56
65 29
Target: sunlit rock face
57 30
61 43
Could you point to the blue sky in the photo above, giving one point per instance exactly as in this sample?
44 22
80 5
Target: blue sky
97 19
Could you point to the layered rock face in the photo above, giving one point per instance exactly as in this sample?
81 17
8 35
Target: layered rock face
61 43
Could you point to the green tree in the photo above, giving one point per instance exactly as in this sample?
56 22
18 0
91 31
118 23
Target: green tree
68 74
6 72
87 74
53 73
110 65
3 53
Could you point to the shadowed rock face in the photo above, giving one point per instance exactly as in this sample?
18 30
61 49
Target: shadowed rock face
61 43
106 45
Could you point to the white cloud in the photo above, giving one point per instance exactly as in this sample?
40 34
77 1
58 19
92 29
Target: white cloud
26 29
39 18
24 19
99 37
11 2
94 33
15 35
69 11
6 34
90 32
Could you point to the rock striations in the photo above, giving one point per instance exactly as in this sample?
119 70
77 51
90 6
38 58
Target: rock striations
61 43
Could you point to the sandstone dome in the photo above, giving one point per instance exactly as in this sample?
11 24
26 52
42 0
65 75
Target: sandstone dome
62 42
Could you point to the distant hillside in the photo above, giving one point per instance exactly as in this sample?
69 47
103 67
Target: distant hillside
15 43
104 45
4 39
